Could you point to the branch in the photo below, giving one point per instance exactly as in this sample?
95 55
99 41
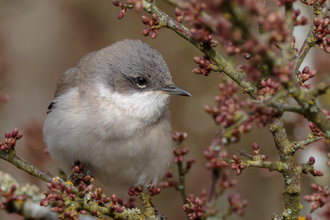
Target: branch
321 88
182 187
291 174
311 111
11 157
75 199
302 144
23 199
320 11
224 66
287 51
258 162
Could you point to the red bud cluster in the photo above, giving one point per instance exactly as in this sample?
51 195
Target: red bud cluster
214 155
305 75
237 204
274 24
256 151
135 191
316 131
153 24
314 172
319 198
179 137
268 89
204 65
261 116
7 198
203 37
178 15
169 181
231 49
192 13
79 178
322 30
194 207
179 154
238 165
154 190
251 71
57 195
100 198
303 19
130 203
137 4
284 73
123 8
229 110
225 182
10 140
310 2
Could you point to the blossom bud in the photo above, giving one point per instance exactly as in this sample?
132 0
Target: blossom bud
120 15
116 3
145 20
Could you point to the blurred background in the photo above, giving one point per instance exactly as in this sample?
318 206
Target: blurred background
41 39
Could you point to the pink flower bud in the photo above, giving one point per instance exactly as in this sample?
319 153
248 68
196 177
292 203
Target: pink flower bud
236 159
198 60
145 20
185 151
120 15
145 32
177 12
14 132
154 17
119 209
154 34
116 3
306 69
255 146
311 160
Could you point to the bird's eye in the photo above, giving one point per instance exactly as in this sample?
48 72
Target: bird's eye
141 82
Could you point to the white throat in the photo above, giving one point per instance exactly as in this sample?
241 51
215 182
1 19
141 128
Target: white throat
146 106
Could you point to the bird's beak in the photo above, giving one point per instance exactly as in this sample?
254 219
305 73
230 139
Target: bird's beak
172 89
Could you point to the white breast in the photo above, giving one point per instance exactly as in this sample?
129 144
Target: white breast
123 140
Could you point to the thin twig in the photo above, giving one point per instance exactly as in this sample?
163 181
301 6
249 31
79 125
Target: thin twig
12 158
181 187
302 144
271 166
311 39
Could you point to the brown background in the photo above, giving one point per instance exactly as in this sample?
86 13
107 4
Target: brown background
40 39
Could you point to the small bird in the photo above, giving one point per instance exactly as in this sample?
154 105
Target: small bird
110 113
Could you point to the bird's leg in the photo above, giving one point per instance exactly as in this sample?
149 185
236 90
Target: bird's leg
77 175
159 215
153 190
61 174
